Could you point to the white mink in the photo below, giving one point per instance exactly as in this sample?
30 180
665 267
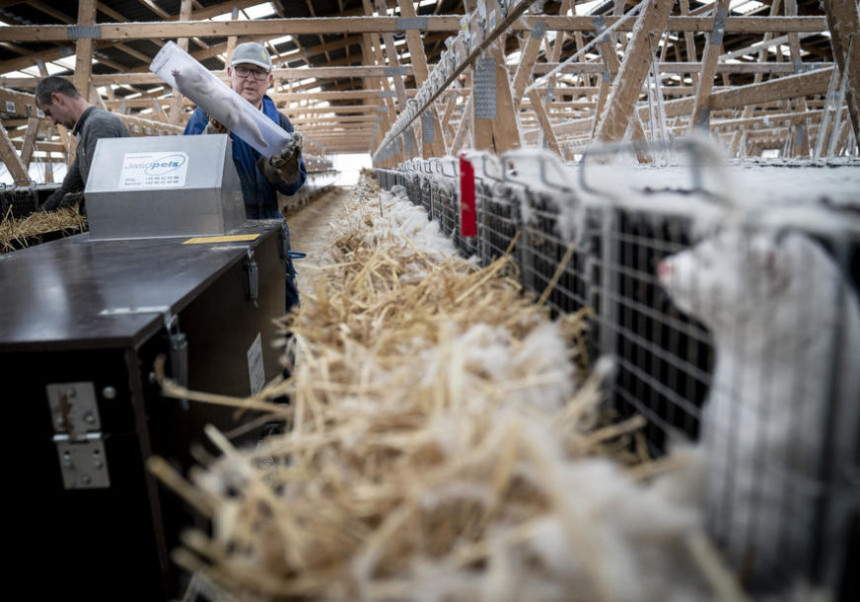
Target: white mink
223 105
774 305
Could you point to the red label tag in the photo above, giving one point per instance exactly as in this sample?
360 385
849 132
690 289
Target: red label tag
468 213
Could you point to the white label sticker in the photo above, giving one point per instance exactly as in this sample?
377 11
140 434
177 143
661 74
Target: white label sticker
153 170
10 106
255 365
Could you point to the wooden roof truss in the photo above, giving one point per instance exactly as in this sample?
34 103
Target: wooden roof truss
431 78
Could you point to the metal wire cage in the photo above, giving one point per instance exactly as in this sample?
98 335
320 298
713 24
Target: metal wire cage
22 201
778 422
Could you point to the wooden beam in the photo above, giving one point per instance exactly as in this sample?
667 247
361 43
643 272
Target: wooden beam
784 88
506 132
689 42
176 98
713 49
543 119
637 61
142 77
436 148
11 159
463 128
612 66
393 60
84 47
284 73
750 25
844 22
682 67
30 140
232 40
333 119
372 55
527 61
201 14
95 98
351 25
42 146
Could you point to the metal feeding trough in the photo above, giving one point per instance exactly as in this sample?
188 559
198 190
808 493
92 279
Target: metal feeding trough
163 187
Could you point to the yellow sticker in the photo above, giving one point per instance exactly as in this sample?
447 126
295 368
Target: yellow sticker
202 240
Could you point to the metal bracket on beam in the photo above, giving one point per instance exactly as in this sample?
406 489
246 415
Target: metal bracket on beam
253 283
394 70
428 128
538 30
388 94
84 31
485 88
600 28
719 27
404 23
409 142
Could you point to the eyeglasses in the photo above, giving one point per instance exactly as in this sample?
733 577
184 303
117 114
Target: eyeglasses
258 75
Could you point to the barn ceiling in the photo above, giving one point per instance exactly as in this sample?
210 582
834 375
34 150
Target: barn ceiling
328 95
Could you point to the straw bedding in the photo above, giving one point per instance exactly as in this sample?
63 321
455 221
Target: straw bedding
446 442
16 233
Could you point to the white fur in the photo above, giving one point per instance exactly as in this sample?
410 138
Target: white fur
774 305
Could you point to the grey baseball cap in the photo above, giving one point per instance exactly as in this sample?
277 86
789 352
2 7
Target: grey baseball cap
251 52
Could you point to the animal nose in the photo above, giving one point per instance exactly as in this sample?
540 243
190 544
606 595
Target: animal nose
665 269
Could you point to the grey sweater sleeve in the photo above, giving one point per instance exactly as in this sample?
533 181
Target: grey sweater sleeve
73 180
100 124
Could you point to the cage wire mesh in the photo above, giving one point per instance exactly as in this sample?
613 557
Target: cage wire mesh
21 201
497 211
778 419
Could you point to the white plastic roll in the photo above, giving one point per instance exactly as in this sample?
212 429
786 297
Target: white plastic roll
182 72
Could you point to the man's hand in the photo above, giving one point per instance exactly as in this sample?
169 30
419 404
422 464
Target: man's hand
60 199
283 168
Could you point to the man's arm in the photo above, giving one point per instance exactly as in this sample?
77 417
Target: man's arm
196 123
73 182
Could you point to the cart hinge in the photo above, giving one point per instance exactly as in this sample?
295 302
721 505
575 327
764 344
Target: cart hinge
253 288
77 435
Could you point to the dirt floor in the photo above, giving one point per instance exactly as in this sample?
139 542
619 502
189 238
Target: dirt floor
310 229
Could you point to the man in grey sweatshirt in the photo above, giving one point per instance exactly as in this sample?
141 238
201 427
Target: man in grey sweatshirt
60 100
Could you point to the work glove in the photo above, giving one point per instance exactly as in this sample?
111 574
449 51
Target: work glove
60 199
214 127
284 167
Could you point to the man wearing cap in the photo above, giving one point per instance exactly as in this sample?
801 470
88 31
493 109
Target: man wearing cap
261 178
250 73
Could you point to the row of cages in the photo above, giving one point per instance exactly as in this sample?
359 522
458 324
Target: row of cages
317 183
704 337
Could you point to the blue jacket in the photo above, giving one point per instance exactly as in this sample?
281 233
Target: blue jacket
261 199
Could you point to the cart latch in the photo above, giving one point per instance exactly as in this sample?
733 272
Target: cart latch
77 435
253 289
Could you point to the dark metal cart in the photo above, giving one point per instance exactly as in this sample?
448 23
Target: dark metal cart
81 323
